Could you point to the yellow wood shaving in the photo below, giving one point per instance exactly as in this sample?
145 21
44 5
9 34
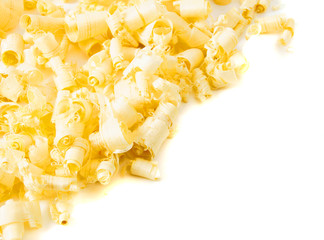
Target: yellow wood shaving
45 23
288 33
238 62
100 68
18 141
201 85
64 78
167 91
11 212
117 54
192 58
132 18
151 135
125 112
76 154
193 37
48 45
33 214
89 170
13 231
12 49
115 23
229 19
220 77
55 183
84 26
107 169
143 168
273 24
60 211
193 10
247 8
12 220
158 32
113 134
67 132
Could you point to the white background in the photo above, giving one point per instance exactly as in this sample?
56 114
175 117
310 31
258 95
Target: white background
246 164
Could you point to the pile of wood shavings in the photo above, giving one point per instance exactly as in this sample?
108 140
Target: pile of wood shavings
65 126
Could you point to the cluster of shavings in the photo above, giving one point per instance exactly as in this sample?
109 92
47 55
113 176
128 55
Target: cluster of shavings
64 126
